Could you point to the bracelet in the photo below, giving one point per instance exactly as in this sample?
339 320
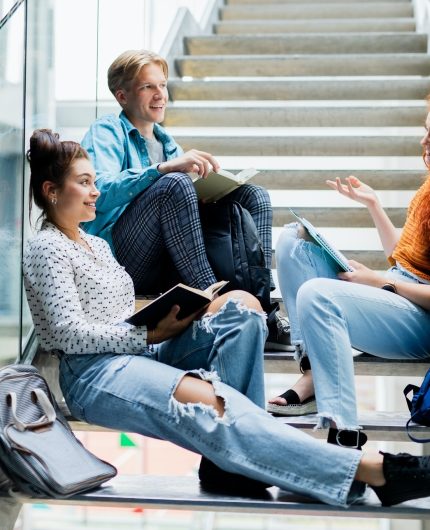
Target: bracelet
390 286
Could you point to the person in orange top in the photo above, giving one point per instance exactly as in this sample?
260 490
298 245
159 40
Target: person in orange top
385 314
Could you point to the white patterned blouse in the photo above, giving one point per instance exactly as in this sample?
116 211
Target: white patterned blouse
79 299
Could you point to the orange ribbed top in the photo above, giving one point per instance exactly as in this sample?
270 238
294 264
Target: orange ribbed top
413 249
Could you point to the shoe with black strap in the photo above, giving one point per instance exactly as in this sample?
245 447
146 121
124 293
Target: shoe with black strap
294 406
352 439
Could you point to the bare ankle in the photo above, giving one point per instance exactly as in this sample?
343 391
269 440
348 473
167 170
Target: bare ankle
370 469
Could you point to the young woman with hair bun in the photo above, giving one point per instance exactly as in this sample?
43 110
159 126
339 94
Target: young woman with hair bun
197 382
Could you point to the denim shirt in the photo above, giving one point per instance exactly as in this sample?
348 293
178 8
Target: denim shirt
123 170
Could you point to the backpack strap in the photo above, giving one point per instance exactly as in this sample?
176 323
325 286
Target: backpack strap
406 391
418 440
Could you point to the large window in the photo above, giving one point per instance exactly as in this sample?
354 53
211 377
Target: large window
12 45
54 56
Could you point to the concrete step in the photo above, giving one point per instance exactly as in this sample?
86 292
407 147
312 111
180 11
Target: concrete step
304 65
346 239
360 244
263 113
284 179
317 10
328 208
302 141
374 259
364 364
367 25
379 426
378 88
185 493
286 114
303 43
322 215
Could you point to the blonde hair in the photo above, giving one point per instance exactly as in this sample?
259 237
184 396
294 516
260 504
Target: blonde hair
127 66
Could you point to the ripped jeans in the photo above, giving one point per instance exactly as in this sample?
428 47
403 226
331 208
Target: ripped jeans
329 316
135 393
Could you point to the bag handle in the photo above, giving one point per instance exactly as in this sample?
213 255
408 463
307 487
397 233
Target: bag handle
38 396
406 391
418 440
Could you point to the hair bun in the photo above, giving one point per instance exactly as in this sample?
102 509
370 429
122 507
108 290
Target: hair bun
45 145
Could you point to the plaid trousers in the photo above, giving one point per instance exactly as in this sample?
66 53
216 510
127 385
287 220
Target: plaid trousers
159 241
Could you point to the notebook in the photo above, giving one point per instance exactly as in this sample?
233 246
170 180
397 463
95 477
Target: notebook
320 240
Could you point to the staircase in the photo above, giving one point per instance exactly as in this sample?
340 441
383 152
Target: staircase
310 91
305 91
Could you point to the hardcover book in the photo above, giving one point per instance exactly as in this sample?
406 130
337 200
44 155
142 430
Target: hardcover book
187 298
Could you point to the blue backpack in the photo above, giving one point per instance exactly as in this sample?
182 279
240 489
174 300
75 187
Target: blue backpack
419 406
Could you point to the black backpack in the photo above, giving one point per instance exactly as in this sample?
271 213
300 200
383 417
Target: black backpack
234 249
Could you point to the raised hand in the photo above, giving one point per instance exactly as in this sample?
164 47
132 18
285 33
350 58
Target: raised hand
354 189
192 161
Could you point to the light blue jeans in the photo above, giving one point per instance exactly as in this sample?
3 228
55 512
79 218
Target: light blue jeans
329 316
135 393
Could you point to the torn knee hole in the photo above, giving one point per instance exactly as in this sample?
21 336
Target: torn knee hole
193 390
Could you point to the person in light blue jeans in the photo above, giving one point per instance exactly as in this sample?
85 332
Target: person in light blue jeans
331 312
329 316
197 382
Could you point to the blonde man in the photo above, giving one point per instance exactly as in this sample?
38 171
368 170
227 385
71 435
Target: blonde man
148 209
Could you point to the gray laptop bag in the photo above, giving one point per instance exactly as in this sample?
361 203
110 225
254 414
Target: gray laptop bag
39 454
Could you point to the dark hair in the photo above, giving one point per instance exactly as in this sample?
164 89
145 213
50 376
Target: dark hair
50 159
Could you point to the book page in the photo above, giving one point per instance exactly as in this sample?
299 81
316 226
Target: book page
218 185
215 287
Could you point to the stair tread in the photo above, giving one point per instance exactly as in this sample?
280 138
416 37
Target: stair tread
382 426
302 88
184 492
296 132
369 365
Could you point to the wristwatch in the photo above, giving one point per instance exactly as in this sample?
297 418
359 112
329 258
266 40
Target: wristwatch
390 287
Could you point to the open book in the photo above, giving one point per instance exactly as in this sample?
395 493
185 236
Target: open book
320 240
217 185
189 299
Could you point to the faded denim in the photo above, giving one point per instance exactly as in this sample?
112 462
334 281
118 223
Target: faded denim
135 393
329 316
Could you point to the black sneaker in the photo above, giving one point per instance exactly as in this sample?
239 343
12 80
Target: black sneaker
279 338
407 477
214 479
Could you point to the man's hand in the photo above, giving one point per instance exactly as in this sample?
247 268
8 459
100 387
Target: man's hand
192 161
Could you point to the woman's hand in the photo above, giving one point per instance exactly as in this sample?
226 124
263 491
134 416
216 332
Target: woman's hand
170 326
354 189
363 275
192 161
